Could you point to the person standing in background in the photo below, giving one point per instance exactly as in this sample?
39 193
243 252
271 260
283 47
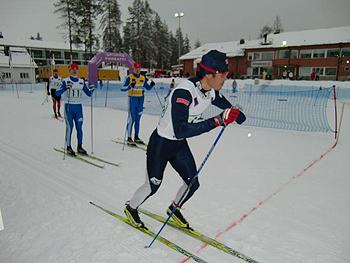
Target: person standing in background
135 84
52 85
73 88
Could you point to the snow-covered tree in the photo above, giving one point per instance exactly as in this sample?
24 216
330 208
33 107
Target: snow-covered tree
67 10
110 24
277 25
161 43
87 12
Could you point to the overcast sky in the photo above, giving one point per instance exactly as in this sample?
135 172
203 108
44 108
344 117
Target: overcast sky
207 21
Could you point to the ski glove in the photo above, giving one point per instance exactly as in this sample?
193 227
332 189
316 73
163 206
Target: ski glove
152 83
226 117
69 85
133 84
91 87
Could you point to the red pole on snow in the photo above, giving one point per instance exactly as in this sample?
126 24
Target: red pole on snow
335 112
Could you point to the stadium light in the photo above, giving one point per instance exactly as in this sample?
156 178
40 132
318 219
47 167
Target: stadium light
179 15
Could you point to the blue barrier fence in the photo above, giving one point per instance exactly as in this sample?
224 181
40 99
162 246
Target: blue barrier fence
274 106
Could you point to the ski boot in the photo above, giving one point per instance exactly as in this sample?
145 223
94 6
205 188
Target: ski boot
178 217
133 216
130 142
59 114
138 140
81 150
70 150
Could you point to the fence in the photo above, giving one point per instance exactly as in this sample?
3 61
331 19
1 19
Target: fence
273 106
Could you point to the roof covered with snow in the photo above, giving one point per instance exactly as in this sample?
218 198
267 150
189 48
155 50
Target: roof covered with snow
20 59
36 44
298 38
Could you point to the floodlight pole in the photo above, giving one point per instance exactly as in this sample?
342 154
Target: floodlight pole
179 15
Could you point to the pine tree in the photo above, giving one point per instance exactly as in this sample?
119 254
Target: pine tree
186 46
139 32
134 29
174 49
67 10
87 11
38 37
277 25
179 41
266 29
161 43
147 33
110 24
197 44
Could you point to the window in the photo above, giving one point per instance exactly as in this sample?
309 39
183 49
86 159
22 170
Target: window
318 53
330 71
250 56
320 70
332 53
37 53
67 55
345 52
57 54
305 72
267 55
6 75
305 53
261 55
256 56
255 71
284 54
249 71
294 54
24 75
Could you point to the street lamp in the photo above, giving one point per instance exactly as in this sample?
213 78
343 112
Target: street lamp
179 15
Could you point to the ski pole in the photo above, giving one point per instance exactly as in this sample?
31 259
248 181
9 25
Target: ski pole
189 186
66 117
128 120
92 129
106 93
161 105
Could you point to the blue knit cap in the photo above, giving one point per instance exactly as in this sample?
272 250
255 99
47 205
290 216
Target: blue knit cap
213 62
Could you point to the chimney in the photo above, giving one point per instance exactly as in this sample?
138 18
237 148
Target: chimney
1 36
241 41
265 38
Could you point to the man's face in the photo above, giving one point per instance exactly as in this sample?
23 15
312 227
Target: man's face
216 81
73 72
137 71
55 74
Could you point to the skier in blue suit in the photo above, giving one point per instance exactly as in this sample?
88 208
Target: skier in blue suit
135 84
73 106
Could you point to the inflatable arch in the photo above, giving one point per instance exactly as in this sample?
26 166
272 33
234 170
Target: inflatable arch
108 57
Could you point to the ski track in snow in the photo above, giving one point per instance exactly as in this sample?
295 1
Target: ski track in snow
48 218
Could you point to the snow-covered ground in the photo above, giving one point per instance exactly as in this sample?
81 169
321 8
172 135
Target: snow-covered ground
277 196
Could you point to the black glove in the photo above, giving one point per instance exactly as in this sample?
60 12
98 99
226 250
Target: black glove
48 93
133 83
91 87
69 85
152 83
